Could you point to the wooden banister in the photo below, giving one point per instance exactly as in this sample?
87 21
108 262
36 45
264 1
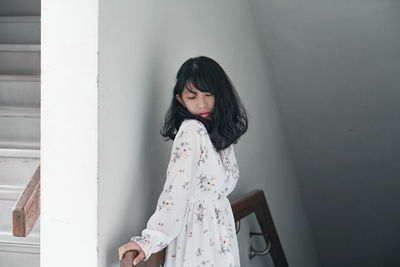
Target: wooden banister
253 201
27 209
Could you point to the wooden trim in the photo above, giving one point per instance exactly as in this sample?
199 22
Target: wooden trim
27 209
255 201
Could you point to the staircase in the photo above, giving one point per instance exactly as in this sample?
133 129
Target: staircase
19 122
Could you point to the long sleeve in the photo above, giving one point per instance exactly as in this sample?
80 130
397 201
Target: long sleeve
168 218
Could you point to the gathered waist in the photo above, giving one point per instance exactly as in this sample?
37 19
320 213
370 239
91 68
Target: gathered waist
203 200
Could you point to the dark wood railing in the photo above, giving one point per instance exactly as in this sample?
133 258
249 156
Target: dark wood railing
253 201
27 209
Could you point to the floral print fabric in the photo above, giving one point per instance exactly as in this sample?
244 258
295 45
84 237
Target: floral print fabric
193 217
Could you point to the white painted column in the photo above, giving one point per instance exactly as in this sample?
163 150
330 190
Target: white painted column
69 130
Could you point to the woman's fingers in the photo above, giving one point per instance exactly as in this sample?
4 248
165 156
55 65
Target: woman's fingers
131 245
121 252
139 257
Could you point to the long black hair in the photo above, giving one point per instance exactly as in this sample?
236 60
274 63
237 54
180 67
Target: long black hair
229 120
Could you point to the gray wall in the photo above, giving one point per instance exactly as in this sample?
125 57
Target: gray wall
336 70
141 46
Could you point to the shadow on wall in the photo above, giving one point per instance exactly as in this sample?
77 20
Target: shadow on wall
152 156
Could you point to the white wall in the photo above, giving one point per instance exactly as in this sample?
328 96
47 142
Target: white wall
336 69
141 46
69 133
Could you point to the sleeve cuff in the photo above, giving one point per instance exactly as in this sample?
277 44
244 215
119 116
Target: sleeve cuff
143 243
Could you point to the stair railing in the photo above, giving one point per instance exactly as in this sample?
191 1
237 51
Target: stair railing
256 202
27 209
253 201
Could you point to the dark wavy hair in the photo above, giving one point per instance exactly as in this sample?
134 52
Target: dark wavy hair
229 120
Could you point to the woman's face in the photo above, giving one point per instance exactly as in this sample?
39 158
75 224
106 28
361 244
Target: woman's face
197 103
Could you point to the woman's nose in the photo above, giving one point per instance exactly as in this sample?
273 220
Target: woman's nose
202 102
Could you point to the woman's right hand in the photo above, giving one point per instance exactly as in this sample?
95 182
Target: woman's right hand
131 245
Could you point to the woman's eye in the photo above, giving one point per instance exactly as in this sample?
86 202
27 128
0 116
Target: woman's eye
209 95
191 97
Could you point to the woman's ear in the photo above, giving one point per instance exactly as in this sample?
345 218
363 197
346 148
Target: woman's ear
179 99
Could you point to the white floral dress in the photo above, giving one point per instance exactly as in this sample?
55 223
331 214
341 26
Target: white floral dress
193 215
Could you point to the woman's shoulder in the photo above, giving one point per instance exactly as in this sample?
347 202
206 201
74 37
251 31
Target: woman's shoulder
192 126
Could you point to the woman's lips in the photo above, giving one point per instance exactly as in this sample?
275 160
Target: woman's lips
205 114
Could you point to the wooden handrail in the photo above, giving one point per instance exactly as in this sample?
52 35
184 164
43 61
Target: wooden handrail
253 201
27 209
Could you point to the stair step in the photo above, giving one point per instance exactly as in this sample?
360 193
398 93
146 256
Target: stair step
18 247
19 253
19 59
16 172
15 112
19 122
18 144
8 192
17 167
19 47
20 91
19 153
18 258
20 78
12 253
20 29
19 128
9 195
8 198
19 19
30 242
19 7
15 175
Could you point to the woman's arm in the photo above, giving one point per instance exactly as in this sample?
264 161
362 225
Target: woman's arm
168 218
